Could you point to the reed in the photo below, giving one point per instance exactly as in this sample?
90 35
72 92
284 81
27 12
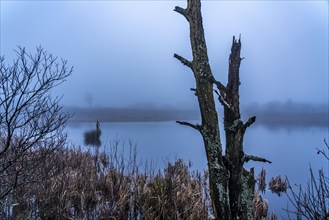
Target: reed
113 184
112 188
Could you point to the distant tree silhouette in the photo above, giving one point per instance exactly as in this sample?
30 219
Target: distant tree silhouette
89 99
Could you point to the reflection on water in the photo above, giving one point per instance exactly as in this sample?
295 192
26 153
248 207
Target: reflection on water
291 149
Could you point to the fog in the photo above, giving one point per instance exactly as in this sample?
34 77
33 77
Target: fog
289 114
122 51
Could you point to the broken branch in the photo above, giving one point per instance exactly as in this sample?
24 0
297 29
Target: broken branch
197 126
222 100
183 60
181 11
250 122
194 90
246 158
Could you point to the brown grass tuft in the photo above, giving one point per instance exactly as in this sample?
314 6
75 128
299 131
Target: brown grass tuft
277 185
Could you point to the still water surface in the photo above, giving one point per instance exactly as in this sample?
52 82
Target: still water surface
292 150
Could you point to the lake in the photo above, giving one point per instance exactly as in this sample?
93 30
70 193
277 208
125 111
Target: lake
291 149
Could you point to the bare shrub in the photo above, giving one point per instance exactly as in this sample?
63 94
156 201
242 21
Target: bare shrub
31 120
311 202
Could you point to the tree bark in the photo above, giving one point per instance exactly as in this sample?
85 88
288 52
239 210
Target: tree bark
241 183
231 186
218 174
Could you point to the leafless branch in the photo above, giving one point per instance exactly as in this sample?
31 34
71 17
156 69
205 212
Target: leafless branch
246 158
181 11
30 118
197 126
323 152
250 122
194 90
183 60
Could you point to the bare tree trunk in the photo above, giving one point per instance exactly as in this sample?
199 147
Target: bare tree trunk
218 174
231 187
241 184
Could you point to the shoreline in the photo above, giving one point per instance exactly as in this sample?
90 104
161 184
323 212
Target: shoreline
117 115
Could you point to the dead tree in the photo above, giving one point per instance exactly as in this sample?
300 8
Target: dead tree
231 186
31 120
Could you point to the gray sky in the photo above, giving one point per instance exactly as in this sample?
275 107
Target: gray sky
122 51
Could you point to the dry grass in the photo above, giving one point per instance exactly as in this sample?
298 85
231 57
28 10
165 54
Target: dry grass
110 185
277 185
260 205
261 181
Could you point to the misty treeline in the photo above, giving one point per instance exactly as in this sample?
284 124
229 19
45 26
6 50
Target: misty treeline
108 114
290 113
271 114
